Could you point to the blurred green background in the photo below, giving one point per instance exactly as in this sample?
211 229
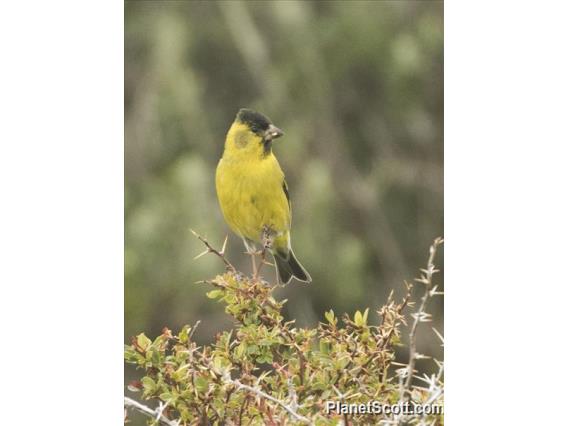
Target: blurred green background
358 89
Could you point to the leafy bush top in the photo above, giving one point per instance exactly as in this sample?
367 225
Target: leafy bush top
267 371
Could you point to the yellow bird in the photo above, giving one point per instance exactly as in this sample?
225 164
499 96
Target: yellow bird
253 194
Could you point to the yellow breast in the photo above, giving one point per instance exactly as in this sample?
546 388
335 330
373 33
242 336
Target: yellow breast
251 196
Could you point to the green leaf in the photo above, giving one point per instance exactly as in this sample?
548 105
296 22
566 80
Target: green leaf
342 362
166 396
149 384
219 364
330 317
201 384
181 373
365 316
184 334
240 350
143 341
358 319
130 355
214 294
323 347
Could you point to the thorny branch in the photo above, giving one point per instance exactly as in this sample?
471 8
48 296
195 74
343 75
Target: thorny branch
210 249
262 394
267 244
421 315
157 414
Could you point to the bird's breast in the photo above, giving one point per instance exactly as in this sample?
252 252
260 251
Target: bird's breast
251 196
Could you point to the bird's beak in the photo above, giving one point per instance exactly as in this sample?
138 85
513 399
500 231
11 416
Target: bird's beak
273 132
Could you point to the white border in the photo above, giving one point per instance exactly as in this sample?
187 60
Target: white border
61 237
506 163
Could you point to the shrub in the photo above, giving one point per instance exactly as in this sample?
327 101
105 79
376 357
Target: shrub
267 371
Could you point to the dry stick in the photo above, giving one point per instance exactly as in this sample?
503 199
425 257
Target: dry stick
147 411
262 262
253 259
262 394
342 399
210 249
420 315
405 302
435 394
440 390
252 252
267 243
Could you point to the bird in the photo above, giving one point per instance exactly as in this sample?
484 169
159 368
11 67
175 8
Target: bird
253 194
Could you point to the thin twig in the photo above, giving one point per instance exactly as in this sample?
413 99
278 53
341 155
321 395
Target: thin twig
262 394
420 315
210 249
342 399
147 411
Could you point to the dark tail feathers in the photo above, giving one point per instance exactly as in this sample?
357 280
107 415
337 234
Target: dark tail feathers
288 267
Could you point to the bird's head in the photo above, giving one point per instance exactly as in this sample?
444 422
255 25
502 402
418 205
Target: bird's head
251 133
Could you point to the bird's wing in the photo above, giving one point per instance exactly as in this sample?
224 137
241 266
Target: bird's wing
285 189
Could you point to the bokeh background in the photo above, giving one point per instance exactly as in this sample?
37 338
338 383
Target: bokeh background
358 89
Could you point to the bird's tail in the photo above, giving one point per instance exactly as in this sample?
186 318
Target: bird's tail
288 267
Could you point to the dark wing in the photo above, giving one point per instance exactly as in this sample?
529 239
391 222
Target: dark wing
285 188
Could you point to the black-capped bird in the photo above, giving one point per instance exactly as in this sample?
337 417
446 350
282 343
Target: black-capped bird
253 194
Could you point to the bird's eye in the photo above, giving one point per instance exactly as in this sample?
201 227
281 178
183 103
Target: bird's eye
254 129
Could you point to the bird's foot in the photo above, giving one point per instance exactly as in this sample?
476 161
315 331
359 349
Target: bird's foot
268 235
